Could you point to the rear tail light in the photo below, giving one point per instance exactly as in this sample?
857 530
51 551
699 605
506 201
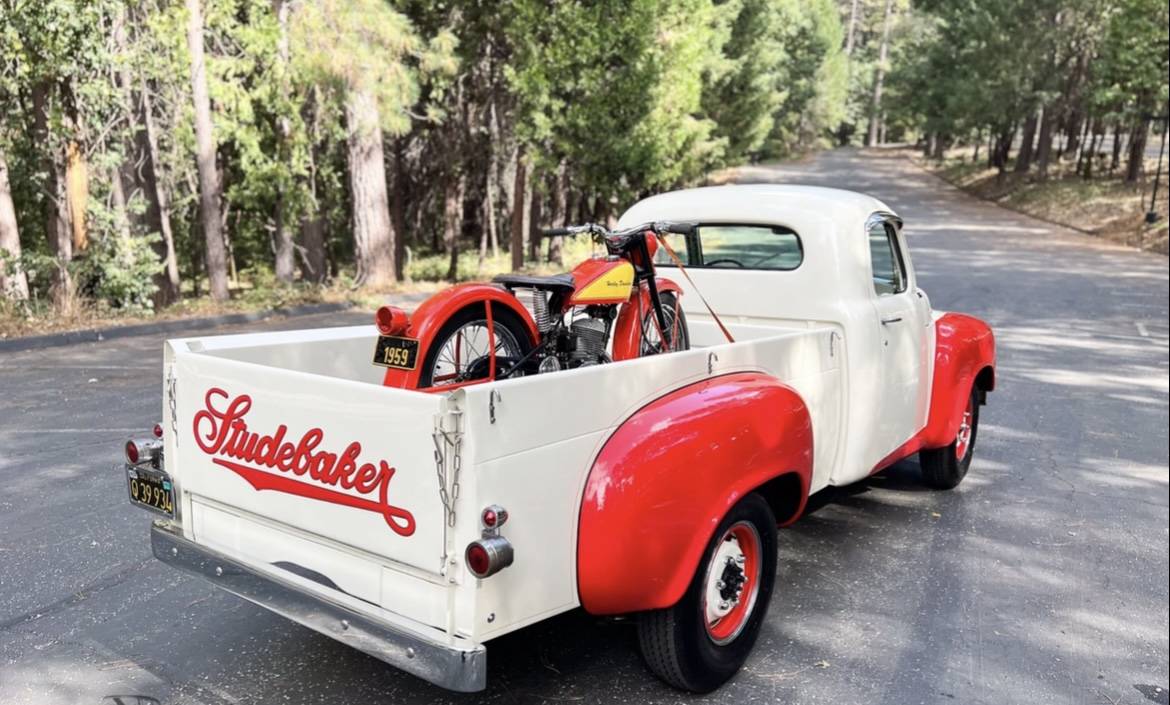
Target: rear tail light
492 552
391 320
488 556
157 430
140 451
493 517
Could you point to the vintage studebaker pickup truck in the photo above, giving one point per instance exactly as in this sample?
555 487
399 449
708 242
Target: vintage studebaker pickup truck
418 525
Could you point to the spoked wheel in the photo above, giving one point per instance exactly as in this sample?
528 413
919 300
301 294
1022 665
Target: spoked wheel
944 468
675 332
461 349
704 639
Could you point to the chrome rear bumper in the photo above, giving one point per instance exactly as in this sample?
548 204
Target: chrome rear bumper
450 667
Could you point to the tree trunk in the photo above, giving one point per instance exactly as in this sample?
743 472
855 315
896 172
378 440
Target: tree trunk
978 144
284 250
139 175
158 205
77 192
1076 124
13 282
209 185
879 77
1094 145
851 32
559 215
58 230
453 221
535 207
1024 157
1084 145
1115 160
1136 161
398 214
518 211
373 233
489 215
1044 149
314 264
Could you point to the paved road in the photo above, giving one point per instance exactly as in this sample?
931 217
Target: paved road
1043 579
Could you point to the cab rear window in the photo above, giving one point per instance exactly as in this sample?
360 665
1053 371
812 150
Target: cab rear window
730 246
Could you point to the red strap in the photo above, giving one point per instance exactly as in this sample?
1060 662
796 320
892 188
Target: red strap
678 263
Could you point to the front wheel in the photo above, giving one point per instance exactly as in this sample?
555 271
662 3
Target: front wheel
676 334
704 639
944 468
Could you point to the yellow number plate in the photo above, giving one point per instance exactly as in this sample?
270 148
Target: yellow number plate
399 353
151 489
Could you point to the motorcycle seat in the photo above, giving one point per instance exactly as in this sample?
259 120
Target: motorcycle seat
562 283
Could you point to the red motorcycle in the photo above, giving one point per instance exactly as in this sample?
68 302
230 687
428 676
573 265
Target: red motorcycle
525 324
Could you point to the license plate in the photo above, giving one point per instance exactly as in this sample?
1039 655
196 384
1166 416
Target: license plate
399 353
151 489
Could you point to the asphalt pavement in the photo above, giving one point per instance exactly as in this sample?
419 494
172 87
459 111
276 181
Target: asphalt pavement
1042 579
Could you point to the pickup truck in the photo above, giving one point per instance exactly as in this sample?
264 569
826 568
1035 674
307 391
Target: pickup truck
417 526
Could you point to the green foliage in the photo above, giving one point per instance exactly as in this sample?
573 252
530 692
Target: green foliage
118 272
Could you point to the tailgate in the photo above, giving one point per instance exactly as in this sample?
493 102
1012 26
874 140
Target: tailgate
308 457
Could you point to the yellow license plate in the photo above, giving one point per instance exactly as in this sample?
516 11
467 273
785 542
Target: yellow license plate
151 489
396 352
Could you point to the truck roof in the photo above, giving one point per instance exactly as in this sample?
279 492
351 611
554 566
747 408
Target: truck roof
802 208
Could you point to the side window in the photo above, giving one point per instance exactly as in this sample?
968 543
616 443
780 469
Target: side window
680 245
728 246
889 273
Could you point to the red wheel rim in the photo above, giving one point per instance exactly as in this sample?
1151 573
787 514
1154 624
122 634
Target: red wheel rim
731 583
963 438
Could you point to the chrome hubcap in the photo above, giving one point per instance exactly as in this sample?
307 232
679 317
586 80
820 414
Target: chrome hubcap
731 583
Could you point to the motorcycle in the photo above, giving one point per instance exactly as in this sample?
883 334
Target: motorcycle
608 308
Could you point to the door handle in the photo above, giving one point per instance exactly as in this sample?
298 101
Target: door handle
892 319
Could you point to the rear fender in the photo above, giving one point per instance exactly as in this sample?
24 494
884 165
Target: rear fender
627 332
426 321
670 473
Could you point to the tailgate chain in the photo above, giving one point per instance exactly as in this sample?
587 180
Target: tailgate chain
172 384
448 444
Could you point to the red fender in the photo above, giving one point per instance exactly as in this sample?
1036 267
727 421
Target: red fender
964 355
426 321
670 473
627 332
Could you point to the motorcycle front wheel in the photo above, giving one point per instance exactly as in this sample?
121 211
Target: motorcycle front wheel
459 352
678 338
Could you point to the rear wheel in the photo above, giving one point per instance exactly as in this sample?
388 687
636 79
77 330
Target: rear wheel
460 350
944 468
704 639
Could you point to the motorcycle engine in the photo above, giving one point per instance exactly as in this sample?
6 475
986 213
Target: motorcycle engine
591 334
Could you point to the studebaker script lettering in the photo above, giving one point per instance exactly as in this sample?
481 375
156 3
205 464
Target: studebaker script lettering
223 433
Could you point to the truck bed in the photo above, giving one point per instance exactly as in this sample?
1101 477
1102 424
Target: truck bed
527 444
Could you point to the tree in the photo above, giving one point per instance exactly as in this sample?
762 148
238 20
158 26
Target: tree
879 76
363 49
209 183
13 283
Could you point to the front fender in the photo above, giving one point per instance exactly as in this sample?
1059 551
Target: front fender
426 321
964 350
627 331
670 473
